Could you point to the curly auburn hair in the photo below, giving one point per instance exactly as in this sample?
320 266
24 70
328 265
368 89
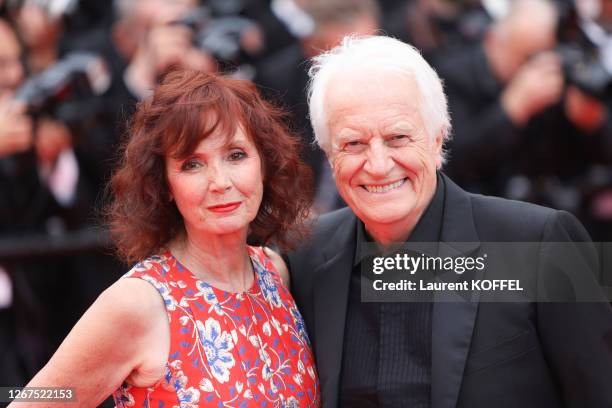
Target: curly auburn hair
185 108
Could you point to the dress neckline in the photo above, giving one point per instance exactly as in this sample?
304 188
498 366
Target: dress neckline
251 290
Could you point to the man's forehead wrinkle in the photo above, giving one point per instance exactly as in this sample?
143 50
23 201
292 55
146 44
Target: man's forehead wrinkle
391 120
337 111
401 125
384 128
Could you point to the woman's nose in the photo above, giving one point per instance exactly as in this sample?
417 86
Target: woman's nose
219 180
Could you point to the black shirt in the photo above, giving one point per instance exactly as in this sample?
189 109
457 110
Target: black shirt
386 359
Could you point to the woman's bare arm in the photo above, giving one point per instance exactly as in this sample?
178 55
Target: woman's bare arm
118 337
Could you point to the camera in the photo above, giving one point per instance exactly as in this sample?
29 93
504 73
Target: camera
582 52
67 89
219 36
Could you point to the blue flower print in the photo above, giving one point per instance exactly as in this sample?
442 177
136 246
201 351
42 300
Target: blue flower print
217 346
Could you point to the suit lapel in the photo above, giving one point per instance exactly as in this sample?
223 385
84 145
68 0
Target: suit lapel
453 319
330 299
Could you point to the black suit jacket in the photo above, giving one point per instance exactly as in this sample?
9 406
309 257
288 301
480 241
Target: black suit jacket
483 354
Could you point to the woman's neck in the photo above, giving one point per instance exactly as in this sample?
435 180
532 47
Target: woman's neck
220 260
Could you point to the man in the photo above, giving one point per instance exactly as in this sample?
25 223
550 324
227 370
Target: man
379 112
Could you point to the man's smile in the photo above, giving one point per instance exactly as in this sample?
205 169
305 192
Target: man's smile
384 188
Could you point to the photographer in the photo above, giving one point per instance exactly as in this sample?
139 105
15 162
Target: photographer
15 128
436 26
521 130
44 197
40 29
18 183
150 44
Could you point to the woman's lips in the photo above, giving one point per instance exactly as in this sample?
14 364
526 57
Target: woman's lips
224 208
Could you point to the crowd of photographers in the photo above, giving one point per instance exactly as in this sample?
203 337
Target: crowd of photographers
528 84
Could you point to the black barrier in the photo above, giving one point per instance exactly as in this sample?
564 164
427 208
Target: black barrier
31 246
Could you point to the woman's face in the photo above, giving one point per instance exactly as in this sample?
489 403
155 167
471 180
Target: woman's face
219 187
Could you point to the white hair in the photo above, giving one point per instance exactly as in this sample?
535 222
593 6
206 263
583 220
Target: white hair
384 54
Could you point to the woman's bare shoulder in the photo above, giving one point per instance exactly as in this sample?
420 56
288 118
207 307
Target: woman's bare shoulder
133 302
279 264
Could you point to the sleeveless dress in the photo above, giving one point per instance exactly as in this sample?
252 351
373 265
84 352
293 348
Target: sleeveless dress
247 349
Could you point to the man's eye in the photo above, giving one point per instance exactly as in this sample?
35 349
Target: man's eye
353 145
396 140
237 155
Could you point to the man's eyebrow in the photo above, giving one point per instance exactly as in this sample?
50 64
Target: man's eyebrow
349 135
400 127
352 132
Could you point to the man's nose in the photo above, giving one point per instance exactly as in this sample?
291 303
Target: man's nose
378 162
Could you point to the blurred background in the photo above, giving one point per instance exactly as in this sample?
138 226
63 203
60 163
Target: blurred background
529 85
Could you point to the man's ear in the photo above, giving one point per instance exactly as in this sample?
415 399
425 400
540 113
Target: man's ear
437 148
331 164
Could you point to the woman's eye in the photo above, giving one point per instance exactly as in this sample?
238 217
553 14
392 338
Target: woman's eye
237 155
190 165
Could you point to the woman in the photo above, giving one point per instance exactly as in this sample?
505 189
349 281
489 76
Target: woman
208 163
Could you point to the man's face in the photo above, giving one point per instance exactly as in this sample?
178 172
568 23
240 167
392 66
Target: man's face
383 159
11 71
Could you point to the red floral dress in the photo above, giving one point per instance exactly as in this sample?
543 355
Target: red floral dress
246 349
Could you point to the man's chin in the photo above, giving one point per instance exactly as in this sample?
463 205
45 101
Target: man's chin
383 216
